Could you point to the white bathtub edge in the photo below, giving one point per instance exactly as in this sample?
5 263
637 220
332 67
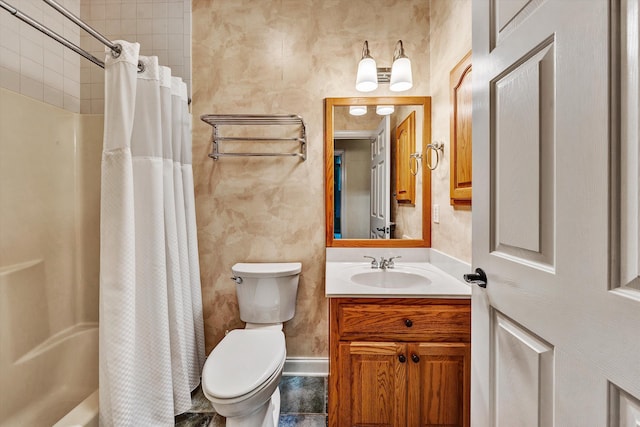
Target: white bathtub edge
83 415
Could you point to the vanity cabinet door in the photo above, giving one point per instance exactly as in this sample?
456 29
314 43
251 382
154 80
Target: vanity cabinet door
373 384
439 384
399 362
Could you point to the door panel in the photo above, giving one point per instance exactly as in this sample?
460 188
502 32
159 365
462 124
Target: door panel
550 188
523 367
380 222
523 149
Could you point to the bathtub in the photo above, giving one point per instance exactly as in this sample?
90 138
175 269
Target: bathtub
84 415
45 384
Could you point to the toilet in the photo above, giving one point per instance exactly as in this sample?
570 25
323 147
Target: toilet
241 375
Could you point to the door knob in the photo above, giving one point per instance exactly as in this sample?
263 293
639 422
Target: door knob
478 278
402 358
408 323
415 358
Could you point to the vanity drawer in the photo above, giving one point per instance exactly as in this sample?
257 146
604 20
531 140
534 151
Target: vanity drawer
399 322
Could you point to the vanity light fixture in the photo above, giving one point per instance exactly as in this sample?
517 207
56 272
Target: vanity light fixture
385 110
398 76
358 110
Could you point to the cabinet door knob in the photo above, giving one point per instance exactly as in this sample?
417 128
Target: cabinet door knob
402 358
415 358
408 323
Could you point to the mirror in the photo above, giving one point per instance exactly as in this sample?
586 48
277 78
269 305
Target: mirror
371 169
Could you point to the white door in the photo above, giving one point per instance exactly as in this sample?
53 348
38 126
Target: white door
380 223
556 331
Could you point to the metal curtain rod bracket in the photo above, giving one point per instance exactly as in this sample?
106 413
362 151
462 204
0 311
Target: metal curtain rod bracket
216 120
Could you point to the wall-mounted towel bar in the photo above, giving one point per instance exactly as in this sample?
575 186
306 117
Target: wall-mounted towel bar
217 120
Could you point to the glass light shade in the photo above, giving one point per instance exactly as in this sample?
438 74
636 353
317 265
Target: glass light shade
384 110
401 78
367 77
358 110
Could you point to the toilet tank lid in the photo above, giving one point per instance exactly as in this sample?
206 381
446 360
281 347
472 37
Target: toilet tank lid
266 269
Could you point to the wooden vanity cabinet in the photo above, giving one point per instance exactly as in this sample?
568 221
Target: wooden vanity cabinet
399 362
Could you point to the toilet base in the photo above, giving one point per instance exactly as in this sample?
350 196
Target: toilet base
266 415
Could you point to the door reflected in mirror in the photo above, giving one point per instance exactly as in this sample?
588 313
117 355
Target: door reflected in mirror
377 188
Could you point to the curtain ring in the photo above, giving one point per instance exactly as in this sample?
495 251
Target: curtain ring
437 147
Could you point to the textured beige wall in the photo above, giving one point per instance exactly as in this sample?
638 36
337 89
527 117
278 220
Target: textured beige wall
281 57
450 42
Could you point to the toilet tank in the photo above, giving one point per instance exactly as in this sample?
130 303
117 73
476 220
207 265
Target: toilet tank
267 291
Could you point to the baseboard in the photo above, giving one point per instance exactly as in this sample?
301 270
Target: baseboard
306 366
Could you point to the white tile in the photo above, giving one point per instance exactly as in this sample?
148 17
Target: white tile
97 10
9 38
71 103
175 10
9 79
145 26
9 59
97 106
53 79
31 33
113 11
128 10
32 88
144 10
159 10
54 60
85 91
113 28
97 91
175 26
160 26
31 69
161 41
130 25
71 88
53 96
31 50
85 106
175 43
176 58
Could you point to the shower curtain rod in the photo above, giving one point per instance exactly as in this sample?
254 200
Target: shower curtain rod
115 49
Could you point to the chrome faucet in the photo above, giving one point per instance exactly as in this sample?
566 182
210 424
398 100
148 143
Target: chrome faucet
374 263
383 264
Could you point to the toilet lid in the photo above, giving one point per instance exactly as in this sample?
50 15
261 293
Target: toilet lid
242 361
266 269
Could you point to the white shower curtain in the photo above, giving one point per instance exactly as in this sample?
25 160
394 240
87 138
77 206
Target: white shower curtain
151 327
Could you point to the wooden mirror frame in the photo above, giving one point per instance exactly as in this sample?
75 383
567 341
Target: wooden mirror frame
329 104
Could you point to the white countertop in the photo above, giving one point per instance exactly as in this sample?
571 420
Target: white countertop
341 265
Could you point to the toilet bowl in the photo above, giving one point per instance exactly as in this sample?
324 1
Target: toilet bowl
241 375
243 372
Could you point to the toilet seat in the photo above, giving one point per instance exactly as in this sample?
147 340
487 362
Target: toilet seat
243 362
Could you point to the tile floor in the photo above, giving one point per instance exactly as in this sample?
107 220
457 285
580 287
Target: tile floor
303 404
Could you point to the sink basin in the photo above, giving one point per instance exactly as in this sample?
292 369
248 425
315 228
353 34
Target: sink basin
390 279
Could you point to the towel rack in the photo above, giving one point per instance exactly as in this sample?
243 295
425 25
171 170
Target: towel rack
217 120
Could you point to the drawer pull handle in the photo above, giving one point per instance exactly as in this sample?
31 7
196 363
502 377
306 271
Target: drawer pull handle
402 359
408 323
415 358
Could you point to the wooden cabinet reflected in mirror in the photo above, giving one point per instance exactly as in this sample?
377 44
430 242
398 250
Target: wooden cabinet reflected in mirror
376 194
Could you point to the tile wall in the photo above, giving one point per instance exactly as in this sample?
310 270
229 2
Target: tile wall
41 68
162 27
33 64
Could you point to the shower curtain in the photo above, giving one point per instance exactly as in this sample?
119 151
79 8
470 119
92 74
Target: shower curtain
151 326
